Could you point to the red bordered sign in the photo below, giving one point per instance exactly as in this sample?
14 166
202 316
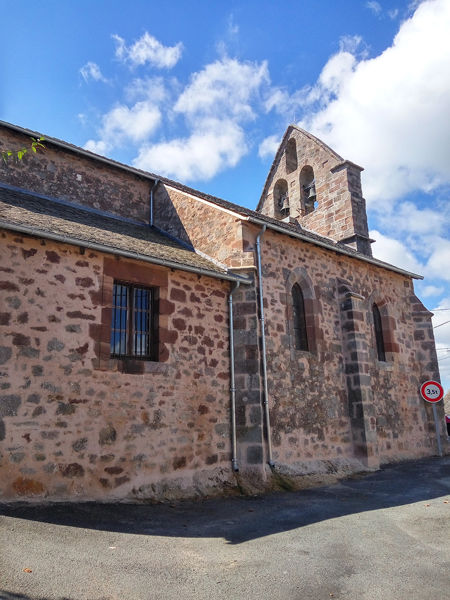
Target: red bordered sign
432 391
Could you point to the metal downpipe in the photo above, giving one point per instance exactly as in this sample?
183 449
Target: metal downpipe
263 344
152 190
234 462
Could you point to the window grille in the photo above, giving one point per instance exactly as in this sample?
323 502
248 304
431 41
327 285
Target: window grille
133 321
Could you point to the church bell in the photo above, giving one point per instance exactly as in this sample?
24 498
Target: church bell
310 191
285 203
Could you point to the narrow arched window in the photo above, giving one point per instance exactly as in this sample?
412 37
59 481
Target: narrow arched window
308 190
378 333
281 198
291 156
298 306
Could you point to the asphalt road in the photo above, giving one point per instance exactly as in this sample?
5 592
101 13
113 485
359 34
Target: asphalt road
383 537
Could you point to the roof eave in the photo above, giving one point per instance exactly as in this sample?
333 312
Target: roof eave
34 231
81 151
338 250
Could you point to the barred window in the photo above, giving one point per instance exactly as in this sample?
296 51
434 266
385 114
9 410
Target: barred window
133 325
298 306
378 333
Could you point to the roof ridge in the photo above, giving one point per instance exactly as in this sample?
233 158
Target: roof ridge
281 148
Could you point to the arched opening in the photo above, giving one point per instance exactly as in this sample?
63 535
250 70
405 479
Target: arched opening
308 190
299 318
281 198
378 329
291 156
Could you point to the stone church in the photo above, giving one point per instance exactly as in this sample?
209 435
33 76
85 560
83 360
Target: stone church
157 342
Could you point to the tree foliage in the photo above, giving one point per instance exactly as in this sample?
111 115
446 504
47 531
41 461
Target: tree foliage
19 154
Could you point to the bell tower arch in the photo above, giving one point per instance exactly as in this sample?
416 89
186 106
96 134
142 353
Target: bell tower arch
320 191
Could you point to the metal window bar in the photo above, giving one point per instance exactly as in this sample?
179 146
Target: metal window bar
119 332
131 324
142 313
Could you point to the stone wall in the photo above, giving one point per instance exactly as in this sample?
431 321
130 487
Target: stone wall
340 211
338 400
252 448
76 425
216 232
66 175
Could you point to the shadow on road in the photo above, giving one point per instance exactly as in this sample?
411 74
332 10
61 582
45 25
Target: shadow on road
5 595
239 519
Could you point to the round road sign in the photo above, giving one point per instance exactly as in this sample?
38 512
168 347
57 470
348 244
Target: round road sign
431 391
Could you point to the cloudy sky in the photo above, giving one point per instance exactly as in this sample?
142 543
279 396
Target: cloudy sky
203 91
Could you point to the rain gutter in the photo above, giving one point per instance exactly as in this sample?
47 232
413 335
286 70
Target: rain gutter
119 252
339 250
234 461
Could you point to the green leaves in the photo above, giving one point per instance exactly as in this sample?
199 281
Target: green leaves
19 154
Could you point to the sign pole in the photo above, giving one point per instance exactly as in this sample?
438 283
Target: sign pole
433 392
438 433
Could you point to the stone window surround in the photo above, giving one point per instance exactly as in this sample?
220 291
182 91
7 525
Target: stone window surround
306 177
300 277
280 190
132 348
147 275
388 326
378 331
291 159
299 318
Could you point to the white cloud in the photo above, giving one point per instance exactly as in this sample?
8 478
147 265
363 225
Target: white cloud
92 71
99 146
377 10
374 6
224 87
393 14
412 6
438 264
216 103
407 217
431 290
153 89
390 113
123 123
394 252
289 106
353 44
269 146
147 49
212 147
232 27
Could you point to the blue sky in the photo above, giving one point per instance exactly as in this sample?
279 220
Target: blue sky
203 91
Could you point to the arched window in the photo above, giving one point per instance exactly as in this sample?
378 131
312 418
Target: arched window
299 317
308 190
281 198
377 324
291 156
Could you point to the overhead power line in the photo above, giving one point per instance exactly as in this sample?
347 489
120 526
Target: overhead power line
440 324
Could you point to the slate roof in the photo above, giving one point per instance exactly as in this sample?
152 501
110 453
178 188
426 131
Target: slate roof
252 215
293 229
40 215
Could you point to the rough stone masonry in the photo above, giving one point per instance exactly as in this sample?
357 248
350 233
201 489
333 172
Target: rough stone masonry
78 423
